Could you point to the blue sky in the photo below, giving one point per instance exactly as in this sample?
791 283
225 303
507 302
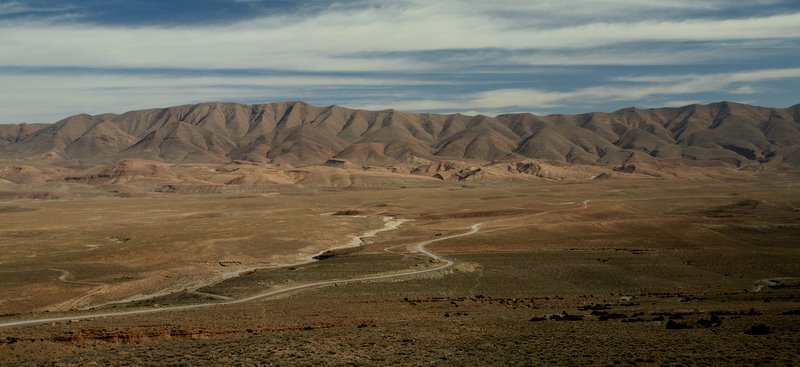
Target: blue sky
59 58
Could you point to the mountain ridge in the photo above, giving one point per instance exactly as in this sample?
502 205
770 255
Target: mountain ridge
301 134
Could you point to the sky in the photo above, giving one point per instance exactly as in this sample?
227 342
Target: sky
64 57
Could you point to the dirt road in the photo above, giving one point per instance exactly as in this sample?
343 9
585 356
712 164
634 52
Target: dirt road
442 263
420 248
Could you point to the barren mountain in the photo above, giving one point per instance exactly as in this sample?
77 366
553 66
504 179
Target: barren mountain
10 134
300 134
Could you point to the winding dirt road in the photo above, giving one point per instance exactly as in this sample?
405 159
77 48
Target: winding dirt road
66 277
420 248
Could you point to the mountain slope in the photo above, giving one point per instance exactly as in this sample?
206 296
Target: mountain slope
301 134
11 134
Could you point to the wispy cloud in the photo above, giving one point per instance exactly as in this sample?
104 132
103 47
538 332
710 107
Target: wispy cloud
328 41
32 11
453 55
719 80
21 95
643 88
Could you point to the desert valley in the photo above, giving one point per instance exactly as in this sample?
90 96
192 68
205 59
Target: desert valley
288 233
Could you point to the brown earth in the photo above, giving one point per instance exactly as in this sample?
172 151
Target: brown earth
633 269
720 134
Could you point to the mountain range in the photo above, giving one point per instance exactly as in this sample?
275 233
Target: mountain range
300 134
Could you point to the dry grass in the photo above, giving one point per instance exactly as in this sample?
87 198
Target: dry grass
652 251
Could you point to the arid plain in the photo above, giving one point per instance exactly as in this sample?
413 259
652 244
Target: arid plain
290 234
629 269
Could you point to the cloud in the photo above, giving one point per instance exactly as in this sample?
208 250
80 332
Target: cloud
50 97
719 79
655 86
452 55
644 87
21 95
12 7
337 39
680 102
16 8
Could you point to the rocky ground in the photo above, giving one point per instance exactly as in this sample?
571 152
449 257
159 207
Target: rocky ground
601 273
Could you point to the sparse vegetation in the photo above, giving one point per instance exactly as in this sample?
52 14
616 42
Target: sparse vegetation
676 325
759 329
566 317
526 284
